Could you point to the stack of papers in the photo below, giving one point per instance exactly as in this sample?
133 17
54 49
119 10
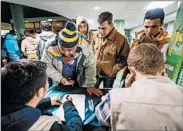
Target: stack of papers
79 102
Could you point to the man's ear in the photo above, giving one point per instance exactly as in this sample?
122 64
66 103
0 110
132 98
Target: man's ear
41 92
132 69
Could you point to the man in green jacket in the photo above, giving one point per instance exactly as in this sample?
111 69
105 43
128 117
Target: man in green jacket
70 60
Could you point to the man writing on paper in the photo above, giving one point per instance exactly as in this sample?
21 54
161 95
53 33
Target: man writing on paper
24 84
152 101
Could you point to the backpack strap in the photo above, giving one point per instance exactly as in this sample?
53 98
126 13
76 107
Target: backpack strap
81 60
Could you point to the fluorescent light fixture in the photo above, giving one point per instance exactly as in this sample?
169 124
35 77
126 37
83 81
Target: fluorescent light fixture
158 4
49 19
90 21
96 8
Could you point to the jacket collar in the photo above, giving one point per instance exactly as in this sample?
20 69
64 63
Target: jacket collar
27 113
9 108
154 79
57 54
112 34
162 35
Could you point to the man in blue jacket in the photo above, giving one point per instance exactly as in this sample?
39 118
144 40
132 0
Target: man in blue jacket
11 45
24 84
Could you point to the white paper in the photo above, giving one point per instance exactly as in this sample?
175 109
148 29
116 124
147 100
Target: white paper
79 102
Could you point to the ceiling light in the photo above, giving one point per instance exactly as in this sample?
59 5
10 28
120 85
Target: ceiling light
49 19
158 4
58 24
96 8
90 21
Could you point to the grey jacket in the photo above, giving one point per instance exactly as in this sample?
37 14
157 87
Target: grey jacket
86 70
152 103
41 40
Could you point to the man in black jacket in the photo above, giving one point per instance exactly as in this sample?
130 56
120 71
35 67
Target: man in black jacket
24 84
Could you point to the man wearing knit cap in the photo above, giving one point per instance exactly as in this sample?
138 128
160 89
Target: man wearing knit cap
70 64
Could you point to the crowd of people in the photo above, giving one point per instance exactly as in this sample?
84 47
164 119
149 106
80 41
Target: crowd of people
75 58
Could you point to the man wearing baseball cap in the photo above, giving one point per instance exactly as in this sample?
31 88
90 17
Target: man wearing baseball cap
71 65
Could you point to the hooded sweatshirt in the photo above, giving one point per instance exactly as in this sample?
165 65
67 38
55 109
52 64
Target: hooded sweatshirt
11 45
28 45
79 21
41 39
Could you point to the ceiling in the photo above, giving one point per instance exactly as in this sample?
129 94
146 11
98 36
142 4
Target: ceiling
130 11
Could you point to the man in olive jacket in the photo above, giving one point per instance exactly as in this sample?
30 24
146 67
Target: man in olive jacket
71 62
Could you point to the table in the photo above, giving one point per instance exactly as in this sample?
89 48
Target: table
90 117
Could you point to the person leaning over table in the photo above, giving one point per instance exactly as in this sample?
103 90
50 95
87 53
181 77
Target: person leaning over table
153 101
71 63
24 84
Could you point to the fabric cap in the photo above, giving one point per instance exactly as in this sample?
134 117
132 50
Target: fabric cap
68 37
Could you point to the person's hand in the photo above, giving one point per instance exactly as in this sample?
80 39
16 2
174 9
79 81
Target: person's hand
66 82
115 69
66 98
95 91
5 62
55 101
130 78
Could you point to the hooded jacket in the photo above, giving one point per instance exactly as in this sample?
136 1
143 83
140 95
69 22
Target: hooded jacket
86 68
151 103
162 41
41 40
79 21
28 47
11 45
23 118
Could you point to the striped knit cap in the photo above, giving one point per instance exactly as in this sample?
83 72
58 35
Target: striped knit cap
68 37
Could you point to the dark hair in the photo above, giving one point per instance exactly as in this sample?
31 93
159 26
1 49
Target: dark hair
105 16
21 80
57 31
46 25
32 31
27 33
12 32
155 14
84 22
